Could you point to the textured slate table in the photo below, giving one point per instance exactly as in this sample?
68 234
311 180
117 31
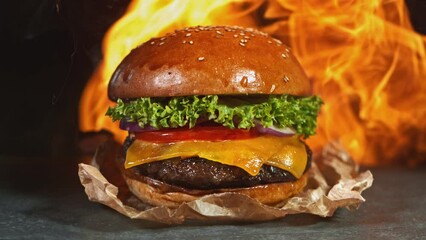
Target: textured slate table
43 199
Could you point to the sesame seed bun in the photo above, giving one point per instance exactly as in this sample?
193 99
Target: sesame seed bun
209 60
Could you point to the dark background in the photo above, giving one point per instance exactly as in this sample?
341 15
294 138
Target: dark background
49 48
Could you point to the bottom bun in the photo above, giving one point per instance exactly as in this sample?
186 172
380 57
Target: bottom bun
162 194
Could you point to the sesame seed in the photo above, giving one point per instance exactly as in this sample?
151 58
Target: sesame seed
242 33
188 35
152 43
246 37
191 42
286 79
269 41
272 88
218 32
243 40
235 35
162 38
278 41
287 50
242 44
201 59
184 41
284 55
161 43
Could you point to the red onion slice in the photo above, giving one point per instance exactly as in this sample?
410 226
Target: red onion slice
279 132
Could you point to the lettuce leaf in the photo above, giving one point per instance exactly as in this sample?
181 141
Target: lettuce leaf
280 111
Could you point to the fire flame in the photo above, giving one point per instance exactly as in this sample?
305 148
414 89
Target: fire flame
363 57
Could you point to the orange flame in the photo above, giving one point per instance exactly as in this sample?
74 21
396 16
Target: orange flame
369 66
363 57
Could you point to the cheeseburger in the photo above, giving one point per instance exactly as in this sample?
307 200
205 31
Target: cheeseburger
213 110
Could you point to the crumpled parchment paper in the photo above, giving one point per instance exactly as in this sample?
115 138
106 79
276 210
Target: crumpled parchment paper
334 181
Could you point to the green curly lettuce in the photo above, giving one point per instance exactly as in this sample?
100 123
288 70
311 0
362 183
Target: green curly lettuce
280 111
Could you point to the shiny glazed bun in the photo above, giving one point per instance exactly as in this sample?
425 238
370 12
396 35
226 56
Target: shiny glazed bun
209 60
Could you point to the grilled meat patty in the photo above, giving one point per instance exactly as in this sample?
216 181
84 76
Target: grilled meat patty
202 174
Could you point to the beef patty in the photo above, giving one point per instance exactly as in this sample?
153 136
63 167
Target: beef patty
202 174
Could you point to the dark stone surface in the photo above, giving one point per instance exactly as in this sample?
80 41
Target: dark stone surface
42 199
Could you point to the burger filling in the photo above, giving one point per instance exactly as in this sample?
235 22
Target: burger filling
271 111
287 153
203 174
208 142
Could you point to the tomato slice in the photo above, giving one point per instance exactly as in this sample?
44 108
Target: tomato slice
200 133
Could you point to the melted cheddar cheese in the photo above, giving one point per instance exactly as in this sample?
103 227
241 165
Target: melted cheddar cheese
287 153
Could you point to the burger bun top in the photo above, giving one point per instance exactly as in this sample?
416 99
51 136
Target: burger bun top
217 60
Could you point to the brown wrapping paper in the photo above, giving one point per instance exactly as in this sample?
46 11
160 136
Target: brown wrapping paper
334 181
